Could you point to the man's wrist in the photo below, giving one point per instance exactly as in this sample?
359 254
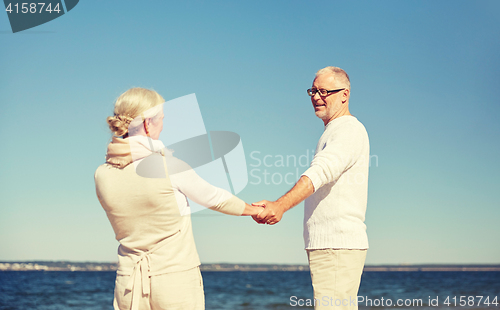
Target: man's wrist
282 205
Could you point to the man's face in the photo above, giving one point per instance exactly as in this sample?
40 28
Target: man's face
327 107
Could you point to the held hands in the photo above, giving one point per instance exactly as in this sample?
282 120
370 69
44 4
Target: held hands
252 210
274 210
272 213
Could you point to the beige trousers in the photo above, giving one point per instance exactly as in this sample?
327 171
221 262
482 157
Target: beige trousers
170 291
335 275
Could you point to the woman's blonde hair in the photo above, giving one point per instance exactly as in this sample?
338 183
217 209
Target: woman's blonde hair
129 107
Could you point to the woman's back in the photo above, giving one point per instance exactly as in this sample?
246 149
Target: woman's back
141 210
145 217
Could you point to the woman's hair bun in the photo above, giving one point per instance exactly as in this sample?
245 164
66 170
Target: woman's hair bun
119 124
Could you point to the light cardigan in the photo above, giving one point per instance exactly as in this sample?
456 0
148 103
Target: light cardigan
334 215
148 214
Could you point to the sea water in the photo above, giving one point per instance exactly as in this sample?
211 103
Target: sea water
236 290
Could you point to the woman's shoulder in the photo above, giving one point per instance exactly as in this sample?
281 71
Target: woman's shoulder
107 169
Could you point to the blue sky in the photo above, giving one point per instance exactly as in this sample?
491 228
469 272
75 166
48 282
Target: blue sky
424 79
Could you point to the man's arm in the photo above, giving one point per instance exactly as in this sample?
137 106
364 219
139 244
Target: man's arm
274 210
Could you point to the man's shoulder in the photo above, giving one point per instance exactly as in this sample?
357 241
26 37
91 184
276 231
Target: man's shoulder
347 124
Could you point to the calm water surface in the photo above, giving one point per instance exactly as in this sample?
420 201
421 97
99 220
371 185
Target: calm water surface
248 290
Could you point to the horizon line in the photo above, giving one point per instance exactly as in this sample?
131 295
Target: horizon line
278 264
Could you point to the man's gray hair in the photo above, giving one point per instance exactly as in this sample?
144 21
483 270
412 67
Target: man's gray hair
339 74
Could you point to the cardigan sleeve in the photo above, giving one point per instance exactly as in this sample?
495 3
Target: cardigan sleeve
200 191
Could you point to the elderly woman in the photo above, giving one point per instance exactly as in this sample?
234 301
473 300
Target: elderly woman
158 262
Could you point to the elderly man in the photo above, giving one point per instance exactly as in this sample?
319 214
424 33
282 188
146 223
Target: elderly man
335 191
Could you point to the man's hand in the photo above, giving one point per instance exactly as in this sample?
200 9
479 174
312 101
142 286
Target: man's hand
257 220
272 213
254 217
274 210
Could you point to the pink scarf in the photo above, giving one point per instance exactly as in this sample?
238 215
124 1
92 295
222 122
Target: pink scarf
122 152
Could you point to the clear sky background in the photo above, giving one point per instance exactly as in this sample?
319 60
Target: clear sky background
424 77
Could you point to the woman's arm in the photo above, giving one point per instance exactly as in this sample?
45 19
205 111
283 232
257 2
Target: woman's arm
200 191
252 210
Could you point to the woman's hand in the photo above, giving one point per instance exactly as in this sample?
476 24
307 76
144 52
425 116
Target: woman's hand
252 210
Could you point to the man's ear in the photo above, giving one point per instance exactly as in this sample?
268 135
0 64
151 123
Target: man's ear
345 95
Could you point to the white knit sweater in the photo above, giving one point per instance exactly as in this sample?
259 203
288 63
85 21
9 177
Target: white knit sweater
334 215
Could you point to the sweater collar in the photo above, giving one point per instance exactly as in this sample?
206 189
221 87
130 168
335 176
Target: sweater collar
336 120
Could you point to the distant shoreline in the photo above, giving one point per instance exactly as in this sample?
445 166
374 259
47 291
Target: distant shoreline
95 266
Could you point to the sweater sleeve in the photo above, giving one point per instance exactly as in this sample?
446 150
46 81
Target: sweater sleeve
207 195
341 150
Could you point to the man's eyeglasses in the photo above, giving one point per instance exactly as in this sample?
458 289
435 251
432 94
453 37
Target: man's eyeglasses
322 92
